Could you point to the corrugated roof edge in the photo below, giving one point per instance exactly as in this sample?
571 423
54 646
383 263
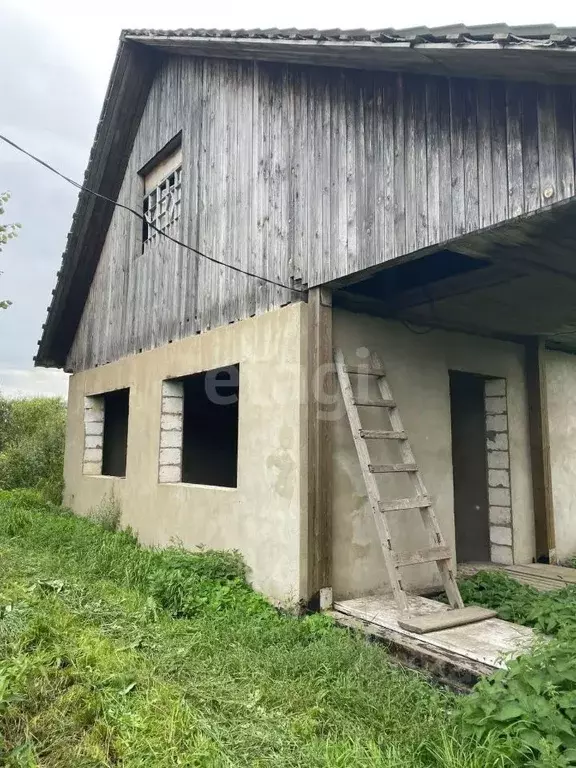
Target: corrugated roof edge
454 33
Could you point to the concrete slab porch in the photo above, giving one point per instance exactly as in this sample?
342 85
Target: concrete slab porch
478 649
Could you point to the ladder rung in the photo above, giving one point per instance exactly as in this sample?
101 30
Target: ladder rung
376 403
365 371
428 555
437 552
419 502
381 468
382 434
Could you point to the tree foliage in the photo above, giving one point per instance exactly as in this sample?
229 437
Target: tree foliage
32 432
7 232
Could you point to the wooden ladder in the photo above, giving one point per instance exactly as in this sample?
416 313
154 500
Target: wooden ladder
438 552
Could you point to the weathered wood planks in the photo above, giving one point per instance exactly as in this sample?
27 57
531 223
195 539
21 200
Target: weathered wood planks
311 174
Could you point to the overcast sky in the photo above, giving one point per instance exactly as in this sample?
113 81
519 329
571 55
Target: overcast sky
55 58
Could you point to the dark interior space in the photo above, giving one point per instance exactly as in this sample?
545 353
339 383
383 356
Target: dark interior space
210 440
470 467
393 281
116 407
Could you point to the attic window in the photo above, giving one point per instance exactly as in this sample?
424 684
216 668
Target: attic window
162 193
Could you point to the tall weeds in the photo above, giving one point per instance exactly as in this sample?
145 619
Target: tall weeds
112 654
32 432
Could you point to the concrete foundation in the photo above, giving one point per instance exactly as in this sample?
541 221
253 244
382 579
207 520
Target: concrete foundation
265 517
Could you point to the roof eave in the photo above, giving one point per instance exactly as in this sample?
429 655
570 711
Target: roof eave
503 56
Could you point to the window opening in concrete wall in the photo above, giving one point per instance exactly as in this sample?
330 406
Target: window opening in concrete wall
106 433
199 428
114 450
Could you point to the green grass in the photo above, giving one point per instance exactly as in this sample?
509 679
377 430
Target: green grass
534 700
116 655
552 613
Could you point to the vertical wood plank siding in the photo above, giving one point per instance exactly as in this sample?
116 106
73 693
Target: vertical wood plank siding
311 174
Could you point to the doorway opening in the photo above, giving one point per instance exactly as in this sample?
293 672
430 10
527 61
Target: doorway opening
481 469
470 467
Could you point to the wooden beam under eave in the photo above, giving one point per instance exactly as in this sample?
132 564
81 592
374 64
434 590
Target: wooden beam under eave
538 424
320 400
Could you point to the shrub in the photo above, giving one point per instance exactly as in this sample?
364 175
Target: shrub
25 498
184 583
553 613
533 701
108 513
498 591
32 436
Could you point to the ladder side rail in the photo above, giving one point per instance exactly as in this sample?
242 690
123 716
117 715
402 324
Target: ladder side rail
369 480
427 513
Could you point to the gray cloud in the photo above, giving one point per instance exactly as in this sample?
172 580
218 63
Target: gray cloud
55 59
39 381
47 107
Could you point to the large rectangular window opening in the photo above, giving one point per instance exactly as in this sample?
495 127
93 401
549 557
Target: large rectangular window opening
199 437
115 447
106 433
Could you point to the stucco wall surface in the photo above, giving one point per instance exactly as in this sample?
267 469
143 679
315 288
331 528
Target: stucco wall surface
418 368
265 516
561 390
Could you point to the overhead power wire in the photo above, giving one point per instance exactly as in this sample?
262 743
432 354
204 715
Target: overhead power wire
149 224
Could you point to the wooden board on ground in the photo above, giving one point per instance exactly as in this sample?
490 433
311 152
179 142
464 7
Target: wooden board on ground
435 620
498 641
543 577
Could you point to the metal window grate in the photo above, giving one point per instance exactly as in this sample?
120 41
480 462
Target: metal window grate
162 206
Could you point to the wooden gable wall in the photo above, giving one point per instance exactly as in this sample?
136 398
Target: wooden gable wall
312 174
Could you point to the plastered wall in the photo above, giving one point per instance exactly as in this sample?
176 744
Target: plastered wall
561 390
418 366
265 516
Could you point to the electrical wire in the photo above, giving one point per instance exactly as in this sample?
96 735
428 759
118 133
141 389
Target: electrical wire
415 331
150 225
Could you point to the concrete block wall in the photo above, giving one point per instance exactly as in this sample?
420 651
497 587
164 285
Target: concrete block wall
499 487
265 516
171 432
93 435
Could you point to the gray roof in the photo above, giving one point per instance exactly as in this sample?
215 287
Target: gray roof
548 35
542 53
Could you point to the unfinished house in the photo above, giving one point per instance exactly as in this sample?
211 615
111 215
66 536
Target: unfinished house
331 321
